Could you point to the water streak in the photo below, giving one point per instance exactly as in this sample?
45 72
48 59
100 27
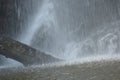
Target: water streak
43 15
102 41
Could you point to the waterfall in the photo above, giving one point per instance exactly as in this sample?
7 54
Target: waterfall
44 30
43 16
67 29
72 36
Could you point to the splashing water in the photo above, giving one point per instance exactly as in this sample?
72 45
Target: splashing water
72 30
43 16
45 34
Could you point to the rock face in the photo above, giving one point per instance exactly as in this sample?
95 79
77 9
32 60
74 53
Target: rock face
15 13
23 53
105 70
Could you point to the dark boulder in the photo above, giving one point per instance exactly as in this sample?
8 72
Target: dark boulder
23 53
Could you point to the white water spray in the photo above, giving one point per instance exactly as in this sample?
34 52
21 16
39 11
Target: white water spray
104 43
43 16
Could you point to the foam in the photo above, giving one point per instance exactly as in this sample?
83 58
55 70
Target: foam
90 59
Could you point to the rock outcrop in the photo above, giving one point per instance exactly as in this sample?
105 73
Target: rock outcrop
23 53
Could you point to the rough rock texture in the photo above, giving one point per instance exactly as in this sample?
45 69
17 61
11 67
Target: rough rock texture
23 53
105 70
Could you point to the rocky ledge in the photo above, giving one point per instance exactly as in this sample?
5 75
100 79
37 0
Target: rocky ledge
23 53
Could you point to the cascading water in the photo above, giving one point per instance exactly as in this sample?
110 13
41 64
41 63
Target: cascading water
45 31
44 16
46 34
71 29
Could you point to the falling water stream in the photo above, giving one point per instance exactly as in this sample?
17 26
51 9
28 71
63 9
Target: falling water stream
69 32
43 16
54 40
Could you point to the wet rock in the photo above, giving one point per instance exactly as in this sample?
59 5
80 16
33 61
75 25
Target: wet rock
98 70
23 53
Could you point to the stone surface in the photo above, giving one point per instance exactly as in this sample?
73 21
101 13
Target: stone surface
104 70
23 53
